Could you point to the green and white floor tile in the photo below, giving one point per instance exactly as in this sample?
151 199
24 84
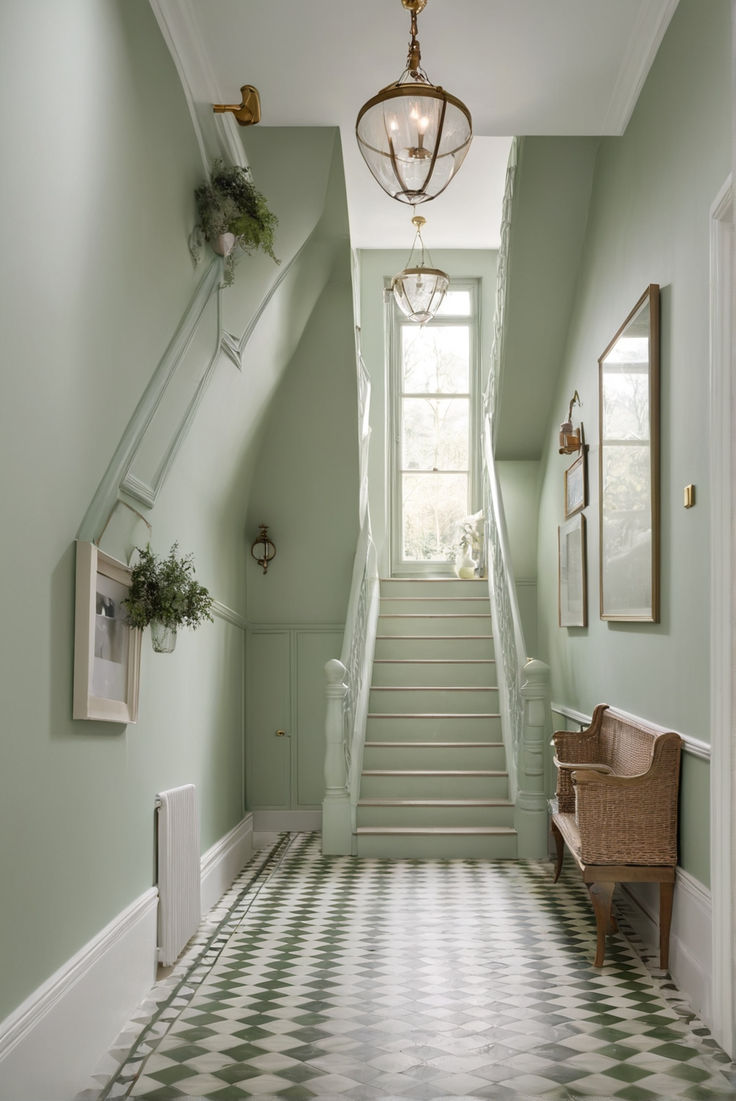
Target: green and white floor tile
364 978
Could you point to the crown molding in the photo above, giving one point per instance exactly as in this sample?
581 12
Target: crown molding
649 29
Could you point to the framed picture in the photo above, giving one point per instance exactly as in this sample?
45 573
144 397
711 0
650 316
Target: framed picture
571 574
576 485
107 652
628 469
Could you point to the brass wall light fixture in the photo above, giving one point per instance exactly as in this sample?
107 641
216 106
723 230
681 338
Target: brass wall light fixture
262 549
570 438
419 290
413 135
248 112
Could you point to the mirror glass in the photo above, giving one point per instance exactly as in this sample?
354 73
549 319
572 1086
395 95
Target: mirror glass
629 466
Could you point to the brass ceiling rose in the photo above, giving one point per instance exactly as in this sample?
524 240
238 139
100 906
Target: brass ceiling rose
413 134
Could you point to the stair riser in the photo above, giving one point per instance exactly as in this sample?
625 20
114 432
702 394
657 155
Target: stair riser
438 848
463 674
434 787
407 605
434 625
407 728
423 757
432 588
422 700
457 648
435 816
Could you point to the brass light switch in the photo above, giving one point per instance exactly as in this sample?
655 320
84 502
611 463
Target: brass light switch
689 496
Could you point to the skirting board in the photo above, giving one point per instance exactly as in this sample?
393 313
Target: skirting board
690 937
295 821
52 1042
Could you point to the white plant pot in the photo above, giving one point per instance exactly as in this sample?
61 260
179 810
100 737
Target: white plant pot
224 244
163 637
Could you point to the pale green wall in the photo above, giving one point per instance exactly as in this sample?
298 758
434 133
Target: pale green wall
649 223
376 266
98 208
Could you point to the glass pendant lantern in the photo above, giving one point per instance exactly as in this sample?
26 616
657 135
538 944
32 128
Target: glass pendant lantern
418 290
413 135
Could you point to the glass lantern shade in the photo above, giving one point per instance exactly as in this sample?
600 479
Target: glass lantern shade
414 138
419 292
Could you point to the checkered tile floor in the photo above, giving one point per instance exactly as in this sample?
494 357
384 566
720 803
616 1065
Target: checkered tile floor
333 977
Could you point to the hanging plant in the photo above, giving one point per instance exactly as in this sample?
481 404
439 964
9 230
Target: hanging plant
232 214
164 594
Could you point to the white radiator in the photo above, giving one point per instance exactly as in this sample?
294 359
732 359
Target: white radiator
179 910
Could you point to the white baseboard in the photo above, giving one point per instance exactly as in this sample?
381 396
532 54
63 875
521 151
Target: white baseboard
52 1042
49 1044
295 821
690 938
221 863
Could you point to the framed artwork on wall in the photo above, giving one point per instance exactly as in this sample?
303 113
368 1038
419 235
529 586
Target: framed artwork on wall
571 573
107 652
628 469
576 485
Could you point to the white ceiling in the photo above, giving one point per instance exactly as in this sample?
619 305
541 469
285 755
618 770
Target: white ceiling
545 67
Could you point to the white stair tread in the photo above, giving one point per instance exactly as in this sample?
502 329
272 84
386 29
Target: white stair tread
435 615
434 772
434 714
433 831
367 801
444 638
434 688
432 661
434 745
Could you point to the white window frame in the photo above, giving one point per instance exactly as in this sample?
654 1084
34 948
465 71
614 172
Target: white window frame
401 567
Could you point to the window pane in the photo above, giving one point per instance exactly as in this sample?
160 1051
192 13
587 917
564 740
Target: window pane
435 433
455 304
435 360
434 505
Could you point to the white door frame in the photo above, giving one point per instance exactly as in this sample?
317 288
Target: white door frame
723 609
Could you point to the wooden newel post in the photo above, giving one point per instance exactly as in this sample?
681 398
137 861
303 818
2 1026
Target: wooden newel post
531 802
337 830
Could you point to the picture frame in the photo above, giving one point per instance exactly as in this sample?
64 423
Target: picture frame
572 580
576 485
107 651
629 467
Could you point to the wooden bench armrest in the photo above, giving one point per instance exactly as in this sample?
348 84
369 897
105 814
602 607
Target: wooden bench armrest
597 766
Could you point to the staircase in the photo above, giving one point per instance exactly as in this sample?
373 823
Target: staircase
434 780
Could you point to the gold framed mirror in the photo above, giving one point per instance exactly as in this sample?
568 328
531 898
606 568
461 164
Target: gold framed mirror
628 466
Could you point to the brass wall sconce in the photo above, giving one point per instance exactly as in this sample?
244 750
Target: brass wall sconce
262 549
571 438
248 113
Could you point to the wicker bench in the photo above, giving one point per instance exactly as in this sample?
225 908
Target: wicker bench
617 784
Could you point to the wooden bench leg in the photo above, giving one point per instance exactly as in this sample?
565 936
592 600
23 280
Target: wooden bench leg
666 893
560 850
601 895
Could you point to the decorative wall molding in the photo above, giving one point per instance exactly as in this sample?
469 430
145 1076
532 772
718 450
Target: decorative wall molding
303 628
130 442
690 745
223 861
180 31
691 954
722 598
234 346
295 821
53 1040
649 29
222 611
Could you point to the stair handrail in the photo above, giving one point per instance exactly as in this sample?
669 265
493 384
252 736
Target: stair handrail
523 682
349 678
508 632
